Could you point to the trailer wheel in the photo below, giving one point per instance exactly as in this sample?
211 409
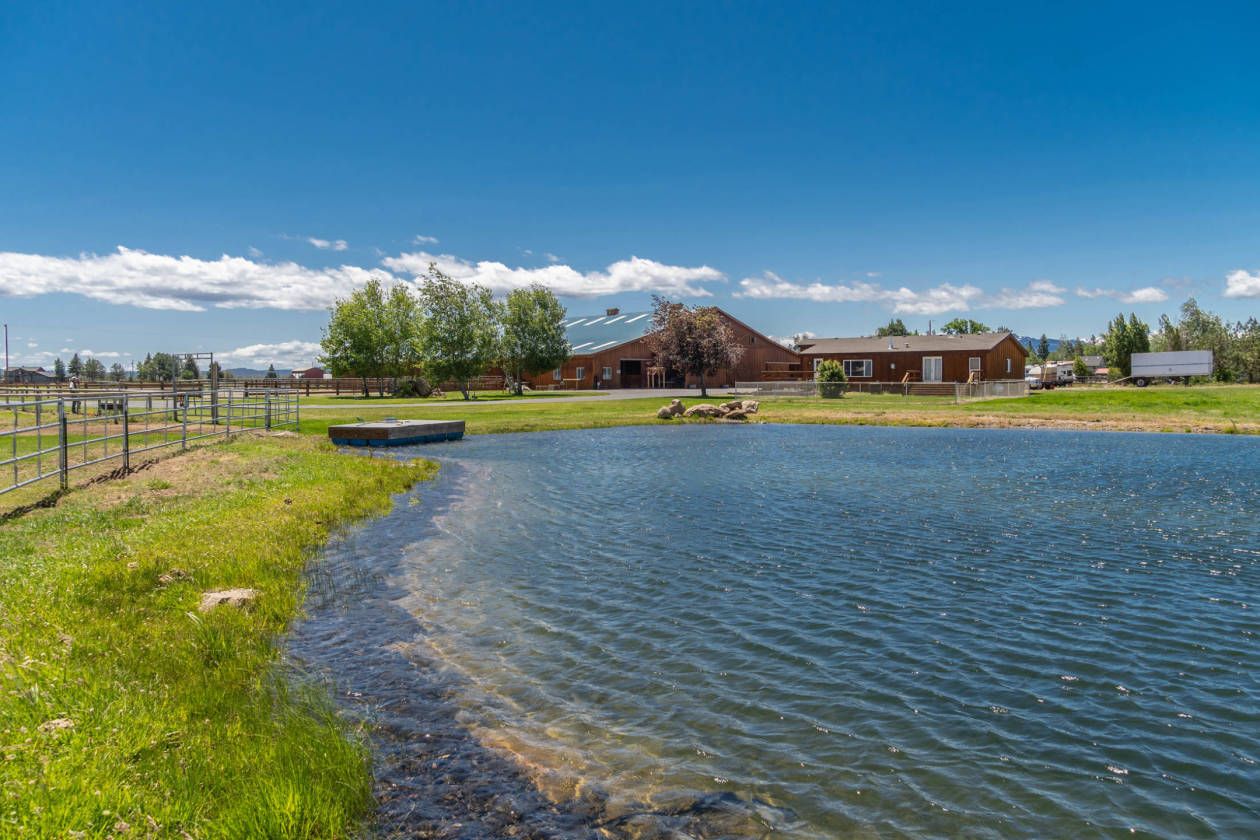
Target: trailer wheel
1140 382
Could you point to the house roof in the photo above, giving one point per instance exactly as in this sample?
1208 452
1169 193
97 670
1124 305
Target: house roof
593 333
903 344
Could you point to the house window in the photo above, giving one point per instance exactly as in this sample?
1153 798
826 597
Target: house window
1008 365
858 368
752 339
817 362
607 373
581 372
973 363
556 374
932 368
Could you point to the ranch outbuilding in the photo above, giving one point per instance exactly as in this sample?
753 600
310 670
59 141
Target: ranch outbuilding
920 358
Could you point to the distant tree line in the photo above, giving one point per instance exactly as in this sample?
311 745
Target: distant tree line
443 331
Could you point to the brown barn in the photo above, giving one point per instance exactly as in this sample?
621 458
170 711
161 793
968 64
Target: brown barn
611 351
921 358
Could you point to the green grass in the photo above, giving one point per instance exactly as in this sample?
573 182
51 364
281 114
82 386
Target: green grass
455 396
1210 409
182 721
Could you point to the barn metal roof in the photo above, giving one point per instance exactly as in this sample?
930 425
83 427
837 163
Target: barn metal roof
903 343
593 333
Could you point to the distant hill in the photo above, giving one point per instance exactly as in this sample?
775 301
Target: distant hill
1027 339
251 373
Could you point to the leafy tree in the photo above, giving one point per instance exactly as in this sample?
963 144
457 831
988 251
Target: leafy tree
162 367
117 372
271 372
1123 339
75 368
1247 339
894 327
1079 369
59 370
1168 338
830 377
93 370
1033 358
1202 330
964 326
214 372
1043 347
459 330
400 333
533 334
353 341
694 340
190 369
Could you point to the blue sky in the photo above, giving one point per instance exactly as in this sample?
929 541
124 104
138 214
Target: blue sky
208 178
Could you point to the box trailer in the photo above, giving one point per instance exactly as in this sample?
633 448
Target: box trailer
1177 363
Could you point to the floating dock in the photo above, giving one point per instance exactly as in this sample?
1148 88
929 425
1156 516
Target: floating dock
391 432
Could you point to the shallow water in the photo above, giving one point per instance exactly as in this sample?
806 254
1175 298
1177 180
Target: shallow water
806 632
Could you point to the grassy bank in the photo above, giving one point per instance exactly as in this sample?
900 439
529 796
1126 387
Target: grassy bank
1224 409
126 711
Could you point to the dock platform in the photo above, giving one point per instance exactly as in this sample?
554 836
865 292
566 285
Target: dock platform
391 432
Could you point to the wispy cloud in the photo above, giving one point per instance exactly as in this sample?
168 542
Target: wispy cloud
254 252
945 297
552 258
284 354
633 275
158 281
424 240
1242 284
1146 294
328 245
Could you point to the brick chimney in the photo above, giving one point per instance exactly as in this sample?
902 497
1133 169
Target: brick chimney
613 311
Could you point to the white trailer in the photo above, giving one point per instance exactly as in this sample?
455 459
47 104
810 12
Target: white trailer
1177 363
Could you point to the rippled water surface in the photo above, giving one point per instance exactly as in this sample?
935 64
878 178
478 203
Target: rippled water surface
812 631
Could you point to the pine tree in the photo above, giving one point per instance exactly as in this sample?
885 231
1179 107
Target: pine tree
59 370
271 372
75 368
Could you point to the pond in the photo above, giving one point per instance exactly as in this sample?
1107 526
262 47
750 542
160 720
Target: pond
723 630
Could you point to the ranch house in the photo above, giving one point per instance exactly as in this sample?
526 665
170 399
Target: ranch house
920 358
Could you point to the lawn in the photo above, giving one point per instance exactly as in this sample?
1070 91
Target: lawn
1225 409
454 396
126 711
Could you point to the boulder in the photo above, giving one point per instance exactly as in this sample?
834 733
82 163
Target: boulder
676 408
737 414
733 405
663 413
750 406
703 410
231 597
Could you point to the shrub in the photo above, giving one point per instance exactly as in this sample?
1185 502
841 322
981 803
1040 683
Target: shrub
830 378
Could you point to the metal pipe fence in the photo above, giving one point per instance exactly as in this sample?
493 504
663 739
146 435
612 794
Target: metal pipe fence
49 438
954 391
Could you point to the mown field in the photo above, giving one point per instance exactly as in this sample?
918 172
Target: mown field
124 710
1224 409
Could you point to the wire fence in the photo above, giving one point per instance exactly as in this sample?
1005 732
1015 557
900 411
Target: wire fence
947 391
49 438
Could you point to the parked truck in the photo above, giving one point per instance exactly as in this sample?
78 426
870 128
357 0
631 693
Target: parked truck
1183 364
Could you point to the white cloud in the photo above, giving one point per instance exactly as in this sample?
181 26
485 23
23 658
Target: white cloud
1241 284
285 354
1146 294
552 258
945 297
873 274
424 240
31 344
326 245
942 298
632 275
1036 295
254 252
106 354
158 281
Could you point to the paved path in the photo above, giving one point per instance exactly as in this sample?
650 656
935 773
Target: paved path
616 393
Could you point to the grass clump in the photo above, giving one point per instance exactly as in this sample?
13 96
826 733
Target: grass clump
125 711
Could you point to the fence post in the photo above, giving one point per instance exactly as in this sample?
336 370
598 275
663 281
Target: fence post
228 434
267 410
126 421
184 422
63 454
297 413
